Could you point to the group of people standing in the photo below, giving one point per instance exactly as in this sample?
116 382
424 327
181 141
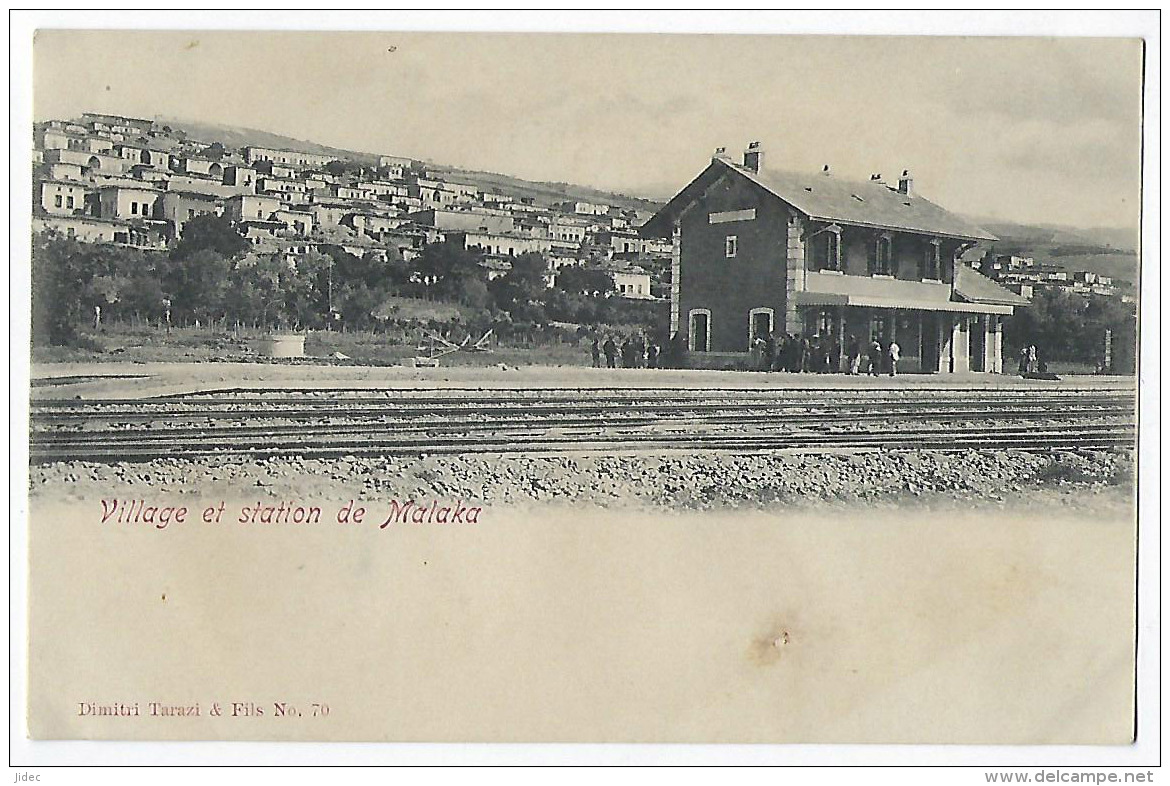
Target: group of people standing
1031 361
787 352
636 351
776 352
822 355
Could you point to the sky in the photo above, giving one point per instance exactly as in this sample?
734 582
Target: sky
1030 130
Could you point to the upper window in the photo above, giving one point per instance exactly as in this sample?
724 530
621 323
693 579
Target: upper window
731 246
931 267
826 251
883 265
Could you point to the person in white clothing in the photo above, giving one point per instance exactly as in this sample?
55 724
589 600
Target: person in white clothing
894 352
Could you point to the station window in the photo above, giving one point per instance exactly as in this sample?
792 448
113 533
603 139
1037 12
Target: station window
57 200
731 246
826 251
882 259
931 266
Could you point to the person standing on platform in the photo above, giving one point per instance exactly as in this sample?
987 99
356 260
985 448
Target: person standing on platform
875 357
854 355
610 350
638 351
893 355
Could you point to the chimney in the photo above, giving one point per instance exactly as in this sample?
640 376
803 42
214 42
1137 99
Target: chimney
825 170
720 153
753 157
906 183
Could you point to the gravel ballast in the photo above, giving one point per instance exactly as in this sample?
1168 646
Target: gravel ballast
655 480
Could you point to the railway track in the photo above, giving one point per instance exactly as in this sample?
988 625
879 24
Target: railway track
355 423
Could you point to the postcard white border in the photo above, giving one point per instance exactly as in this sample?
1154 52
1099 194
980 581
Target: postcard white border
36 756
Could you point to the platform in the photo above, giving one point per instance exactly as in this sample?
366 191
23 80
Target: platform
146 380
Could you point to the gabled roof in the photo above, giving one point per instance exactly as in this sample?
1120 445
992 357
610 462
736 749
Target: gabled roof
829 198
974 287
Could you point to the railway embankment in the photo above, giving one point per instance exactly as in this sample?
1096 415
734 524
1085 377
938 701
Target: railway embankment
668 480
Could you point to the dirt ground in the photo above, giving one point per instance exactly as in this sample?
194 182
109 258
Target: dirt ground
132 380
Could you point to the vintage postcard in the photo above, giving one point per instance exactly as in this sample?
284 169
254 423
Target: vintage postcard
550 387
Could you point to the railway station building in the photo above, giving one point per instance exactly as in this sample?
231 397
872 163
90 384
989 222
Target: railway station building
757 251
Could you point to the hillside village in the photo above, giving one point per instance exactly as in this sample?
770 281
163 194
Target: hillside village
560 260
1024 275
137 182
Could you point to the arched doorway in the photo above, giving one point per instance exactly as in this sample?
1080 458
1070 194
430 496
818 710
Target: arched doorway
700 330
760 324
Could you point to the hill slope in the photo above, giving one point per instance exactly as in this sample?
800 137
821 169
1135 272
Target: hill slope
236 136
1103 250
543 193
1107 238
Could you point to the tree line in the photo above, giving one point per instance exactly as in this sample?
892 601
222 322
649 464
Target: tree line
213 276
1070 327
